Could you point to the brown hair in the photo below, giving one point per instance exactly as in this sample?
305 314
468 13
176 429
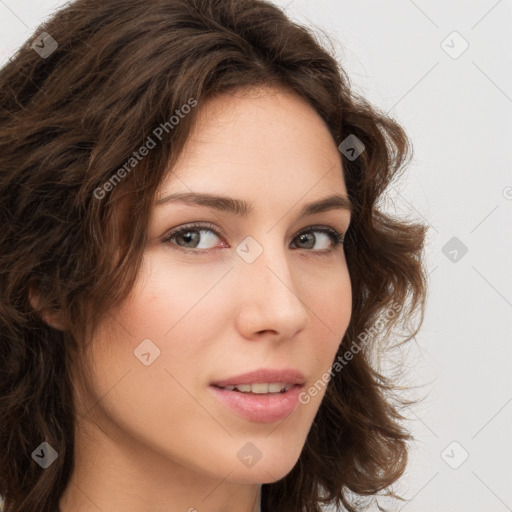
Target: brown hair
71 119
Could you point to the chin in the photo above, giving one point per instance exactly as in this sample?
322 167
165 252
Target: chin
263 475
271 467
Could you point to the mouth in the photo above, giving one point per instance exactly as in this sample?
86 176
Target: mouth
262 396
263 380
259 388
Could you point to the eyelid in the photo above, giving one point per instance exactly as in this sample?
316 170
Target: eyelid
199 225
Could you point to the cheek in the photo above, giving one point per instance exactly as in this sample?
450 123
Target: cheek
169 301
329 303
164 328
169 321
330 307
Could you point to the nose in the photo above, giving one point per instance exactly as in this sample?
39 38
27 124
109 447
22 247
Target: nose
269 302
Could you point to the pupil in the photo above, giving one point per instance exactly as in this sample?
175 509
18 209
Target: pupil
188 236
304 239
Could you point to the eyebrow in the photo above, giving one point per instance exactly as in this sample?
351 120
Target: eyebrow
243 209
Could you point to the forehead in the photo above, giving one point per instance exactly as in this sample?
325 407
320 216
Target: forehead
258 140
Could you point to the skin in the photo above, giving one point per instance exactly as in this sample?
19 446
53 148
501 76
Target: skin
154 438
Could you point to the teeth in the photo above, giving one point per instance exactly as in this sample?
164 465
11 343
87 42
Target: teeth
275 387
261 388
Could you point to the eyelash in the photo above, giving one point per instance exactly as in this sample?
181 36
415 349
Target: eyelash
337 238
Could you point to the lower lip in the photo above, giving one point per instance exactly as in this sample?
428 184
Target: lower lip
262 408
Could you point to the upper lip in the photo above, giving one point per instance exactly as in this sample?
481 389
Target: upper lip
286 375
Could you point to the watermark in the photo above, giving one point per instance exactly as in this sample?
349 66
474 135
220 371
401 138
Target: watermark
454 249
455 455
351 147
454 45
44 45
146 352
150 143
343 359
249 454
45 455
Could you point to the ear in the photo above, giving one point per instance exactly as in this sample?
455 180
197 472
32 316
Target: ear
54 318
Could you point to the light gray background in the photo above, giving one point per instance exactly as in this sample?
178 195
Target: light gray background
458 113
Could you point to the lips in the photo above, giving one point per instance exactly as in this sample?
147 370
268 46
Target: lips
262 396
264 376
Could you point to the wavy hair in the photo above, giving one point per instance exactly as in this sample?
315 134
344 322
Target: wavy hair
70 119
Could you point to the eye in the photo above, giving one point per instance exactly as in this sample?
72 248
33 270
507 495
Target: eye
189 238
327 233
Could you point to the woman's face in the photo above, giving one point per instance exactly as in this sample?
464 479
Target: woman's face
251 290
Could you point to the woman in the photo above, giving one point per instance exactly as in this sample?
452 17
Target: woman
195 274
